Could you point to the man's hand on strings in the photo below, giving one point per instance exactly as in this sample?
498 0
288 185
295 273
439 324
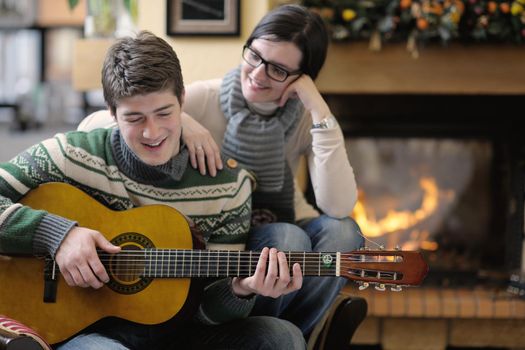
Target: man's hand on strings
271 278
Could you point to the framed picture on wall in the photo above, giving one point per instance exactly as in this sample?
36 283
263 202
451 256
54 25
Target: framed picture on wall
203 17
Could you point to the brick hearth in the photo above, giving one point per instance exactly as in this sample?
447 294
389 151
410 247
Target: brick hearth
434 318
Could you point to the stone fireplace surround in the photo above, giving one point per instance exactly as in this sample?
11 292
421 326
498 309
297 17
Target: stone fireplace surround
459 91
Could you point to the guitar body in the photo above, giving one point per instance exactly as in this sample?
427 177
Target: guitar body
154 302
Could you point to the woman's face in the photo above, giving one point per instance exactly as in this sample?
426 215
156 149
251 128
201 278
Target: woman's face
256 85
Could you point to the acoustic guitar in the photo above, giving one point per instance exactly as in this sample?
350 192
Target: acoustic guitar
151 276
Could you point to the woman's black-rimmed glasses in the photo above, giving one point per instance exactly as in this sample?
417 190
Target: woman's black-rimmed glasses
273 71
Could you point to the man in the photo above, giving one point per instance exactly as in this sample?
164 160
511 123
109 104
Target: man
140 162
268 114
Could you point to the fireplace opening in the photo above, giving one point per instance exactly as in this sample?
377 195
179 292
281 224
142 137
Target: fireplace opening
443 174
431 195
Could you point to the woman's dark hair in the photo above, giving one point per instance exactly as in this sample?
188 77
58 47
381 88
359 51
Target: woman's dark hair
296 24
140 65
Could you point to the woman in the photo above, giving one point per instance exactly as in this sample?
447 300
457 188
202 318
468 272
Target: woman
267 114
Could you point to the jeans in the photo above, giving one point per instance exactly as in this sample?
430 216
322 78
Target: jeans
306 307
252 333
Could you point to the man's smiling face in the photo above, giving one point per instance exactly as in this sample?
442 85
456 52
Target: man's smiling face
151 125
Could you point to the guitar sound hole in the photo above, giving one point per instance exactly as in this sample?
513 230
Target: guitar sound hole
126 269
127 266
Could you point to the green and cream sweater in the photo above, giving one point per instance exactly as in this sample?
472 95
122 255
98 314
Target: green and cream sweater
102 165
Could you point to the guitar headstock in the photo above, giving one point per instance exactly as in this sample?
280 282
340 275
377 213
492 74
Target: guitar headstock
384 267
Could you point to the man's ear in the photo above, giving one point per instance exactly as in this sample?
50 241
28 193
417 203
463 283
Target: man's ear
182 95
114 116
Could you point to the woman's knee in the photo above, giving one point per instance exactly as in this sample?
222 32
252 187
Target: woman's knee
283 236
335 234
349 232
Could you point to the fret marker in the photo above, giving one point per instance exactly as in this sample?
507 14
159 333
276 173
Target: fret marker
327 260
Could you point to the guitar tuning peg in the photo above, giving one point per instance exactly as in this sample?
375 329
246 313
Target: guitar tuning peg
380 287
397 247
381 247
396 288
364 285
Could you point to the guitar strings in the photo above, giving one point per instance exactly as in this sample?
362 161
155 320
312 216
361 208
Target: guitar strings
152 262
181 270
220 262
159 263
189 256
244 255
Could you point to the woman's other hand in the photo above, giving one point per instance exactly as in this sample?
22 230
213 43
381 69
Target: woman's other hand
304 89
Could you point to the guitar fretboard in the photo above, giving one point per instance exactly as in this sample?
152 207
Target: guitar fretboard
176 263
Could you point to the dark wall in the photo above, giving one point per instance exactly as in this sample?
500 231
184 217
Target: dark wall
423 115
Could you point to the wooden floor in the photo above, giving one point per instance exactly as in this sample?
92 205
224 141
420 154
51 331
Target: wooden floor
434 318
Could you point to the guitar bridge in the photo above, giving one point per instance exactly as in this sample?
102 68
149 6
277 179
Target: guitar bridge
50 280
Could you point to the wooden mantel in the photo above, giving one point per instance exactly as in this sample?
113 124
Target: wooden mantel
351 68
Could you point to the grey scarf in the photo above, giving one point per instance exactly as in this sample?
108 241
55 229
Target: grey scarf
257 142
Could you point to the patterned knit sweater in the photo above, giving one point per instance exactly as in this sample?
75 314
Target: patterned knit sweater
102 165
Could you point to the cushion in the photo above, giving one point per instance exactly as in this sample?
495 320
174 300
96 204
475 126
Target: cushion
18 328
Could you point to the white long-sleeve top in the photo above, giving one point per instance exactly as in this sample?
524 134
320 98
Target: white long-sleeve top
329 169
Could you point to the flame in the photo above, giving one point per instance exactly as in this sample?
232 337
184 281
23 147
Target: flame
420 240
403 220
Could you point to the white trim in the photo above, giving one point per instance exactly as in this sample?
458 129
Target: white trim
13 181
5 214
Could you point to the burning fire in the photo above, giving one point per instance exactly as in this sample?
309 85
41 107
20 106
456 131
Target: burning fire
395 221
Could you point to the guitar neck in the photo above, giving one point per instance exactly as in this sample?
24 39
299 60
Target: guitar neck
177 263
368 266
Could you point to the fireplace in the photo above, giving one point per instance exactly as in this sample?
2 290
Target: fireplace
443 174
431 195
